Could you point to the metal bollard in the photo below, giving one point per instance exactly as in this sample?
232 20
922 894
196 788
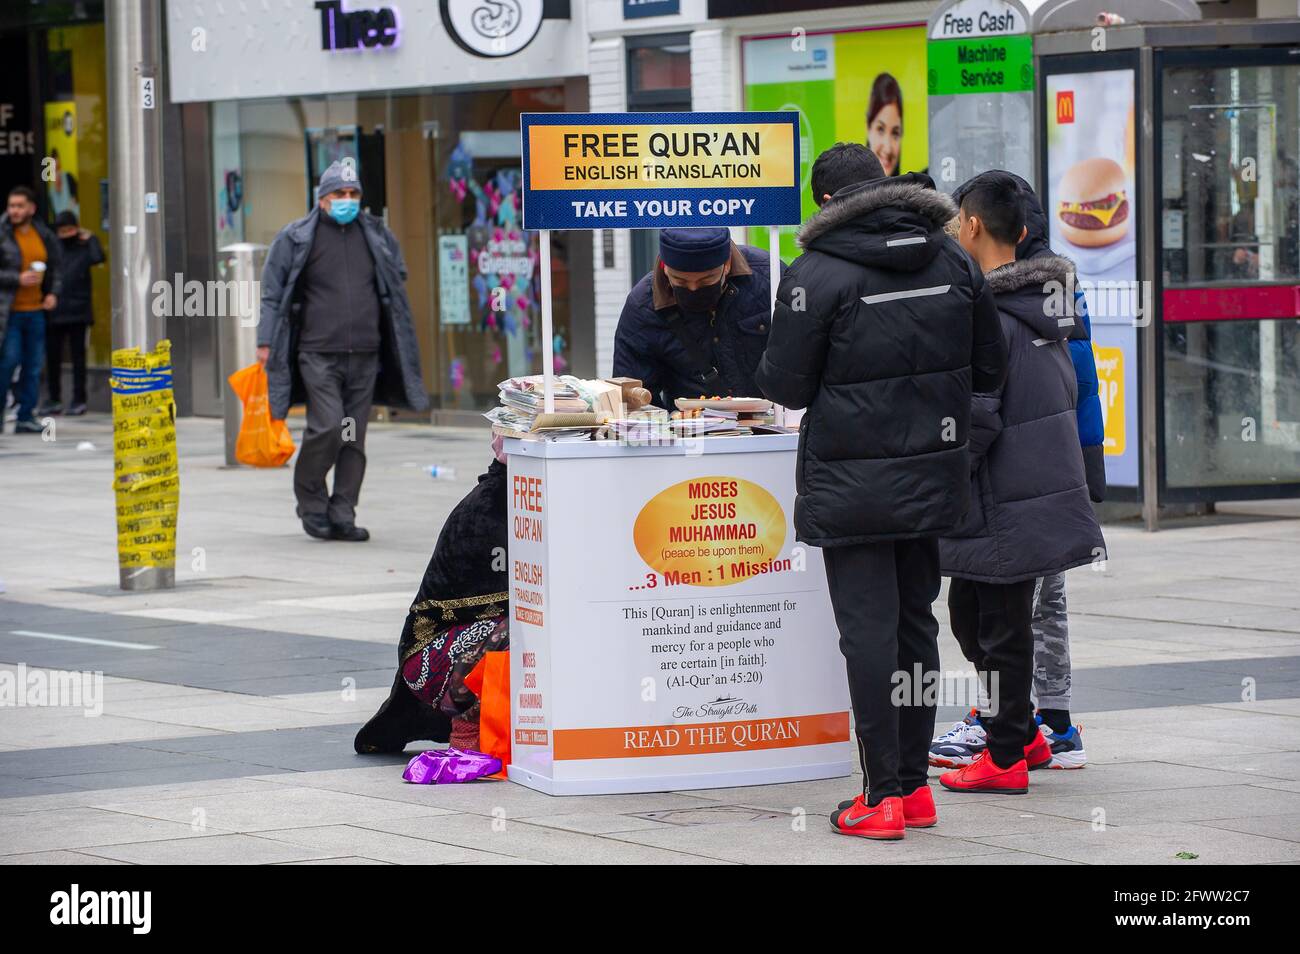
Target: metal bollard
240 264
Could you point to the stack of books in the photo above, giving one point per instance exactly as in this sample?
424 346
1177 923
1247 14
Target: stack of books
521 412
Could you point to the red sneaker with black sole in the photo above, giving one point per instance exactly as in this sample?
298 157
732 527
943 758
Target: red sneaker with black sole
1038 753
984 775
918 808
883 822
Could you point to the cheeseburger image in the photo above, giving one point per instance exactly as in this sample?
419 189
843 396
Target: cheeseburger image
1094 207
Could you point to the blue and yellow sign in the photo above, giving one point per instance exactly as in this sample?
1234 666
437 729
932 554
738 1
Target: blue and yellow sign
660 170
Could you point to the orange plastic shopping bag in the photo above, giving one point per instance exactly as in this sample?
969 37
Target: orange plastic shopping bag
490 680
262 442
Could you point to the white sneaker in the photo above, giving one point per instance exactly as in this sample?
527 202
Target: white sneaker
961 745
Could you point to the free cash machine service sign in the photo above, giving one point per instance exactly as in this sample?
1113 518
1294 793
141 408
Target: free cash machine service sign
660 170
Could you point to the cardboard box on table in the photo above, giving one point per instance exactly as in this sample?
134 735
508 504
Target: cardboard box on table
628 670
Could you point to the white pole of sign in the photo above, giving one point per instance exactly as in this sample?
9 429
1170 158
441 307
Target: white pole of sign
548 332
774 278
774 262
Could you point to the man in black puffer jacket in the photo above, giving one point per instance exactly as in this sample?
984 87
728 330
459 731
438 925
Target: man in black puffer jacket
1030 515
881 328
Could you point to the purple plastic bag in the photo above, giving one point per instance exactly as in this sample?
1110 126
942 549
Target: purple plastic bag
449 766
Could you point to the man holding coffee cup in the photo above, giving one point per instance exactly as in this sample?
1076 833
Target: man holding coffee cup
30 279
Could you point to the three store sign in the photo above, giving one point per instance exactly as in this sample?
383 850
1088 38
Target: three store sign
484 29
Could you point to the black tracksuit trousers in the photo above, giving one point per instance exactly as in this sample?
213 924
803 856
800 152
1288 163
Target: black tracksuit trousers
992 624
883 595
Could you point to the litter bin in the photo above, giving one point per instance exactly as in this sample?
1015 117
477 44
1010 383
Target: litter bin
240 269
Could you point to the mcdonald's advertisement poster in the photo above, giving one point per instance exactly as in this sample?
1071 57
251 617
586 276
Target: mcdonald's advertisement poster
1091 202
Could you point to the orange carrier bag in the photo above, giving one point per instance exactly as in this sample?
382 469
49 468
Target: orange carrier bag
490 681
262 442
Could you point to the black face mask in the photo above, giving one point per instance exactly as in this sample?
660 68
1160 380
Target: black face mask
699 299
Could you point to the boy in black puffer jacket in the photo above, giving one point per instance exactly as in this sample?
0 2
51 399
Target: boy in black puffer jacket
1030 514
881 328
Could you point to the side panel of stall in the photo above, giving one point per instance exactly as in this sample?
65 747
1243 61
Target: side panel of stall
531 649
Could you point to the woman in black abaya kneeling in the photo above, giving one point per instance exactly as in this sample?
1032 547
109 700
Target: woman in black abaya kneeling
459 614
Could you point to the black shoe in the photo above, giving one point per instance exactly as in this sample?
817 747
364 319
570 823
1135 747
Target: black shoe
349 532
77 409
400 720
317 526
54 407
28 427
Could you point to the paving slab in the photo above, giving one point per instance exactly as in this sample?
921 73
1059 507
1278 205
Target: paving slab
1155 844
267 809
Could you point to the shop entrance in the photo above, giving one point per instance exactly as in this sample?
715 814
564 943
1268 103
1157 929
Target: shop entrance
443 171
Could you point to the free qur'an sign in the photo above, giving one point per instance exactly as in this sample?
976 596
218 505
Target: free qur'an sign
660 170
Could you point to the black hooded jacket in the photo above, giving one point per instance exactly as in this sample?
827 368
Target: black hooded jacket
1091 424
1030 515
883 328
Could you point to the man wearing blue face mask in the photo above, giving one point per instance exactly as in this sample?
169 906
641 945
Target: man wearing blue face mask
336 332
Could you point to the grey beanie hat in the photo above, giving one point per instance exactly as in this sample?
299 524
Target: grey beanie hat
341 174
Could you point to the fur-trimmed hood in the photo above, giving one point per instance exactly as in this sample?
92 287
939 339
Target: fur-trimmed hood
1040 293
1032 271
914 191
894 223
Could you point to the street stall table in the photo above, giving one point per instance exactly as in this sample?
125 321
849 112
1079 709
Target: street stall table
667 631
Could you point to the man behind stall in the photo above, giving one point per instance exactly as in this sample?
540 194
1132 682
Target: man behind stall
881 328
698 323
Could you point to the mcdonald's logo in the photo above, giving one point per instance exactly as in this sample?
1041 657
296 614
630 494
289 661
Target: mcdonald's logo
1065 107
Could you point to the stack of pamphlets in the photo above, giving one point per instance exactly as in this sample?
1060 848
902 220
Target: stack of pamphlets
521 412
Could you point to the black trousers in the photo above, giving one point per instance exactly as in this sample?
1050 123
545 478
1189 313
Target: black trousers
992 624
883 595
340 389
55 337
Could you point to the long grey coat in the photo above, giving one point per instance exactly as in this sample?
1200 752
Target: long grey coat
1030 515
400 383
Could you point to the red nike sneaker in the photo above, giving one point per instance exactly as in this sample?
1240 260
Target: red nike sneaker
983 775
1038 753
919 810
883 822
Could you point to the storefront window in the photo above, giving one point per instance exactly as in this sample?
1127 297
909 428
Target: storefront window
1231 207
1232 403
443 172
1230 243
658 80
76 115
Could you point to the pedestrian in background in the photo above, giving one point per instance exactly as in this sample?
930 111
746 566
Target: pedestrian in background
69 323
882 327
31 278
336 332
